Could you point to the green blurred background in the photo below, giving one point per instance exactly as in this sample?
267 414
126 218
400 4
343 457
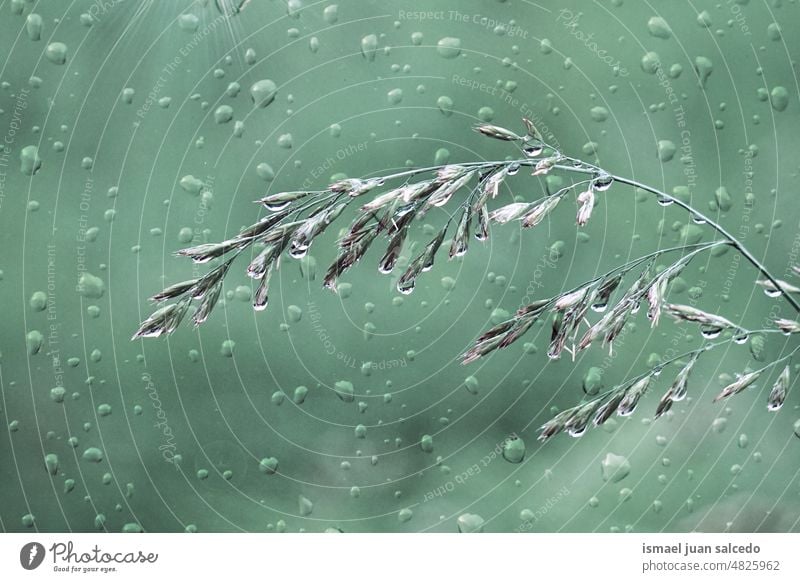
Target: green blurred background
144 138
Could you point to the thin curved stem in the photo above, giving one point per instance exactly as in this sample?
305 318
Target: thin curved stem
700 217
625 268
697 351
720 229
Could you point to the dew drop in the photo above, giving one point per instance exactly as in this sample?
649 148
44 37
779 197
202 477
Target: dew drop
449 47
514 449
614 468
369 47
56 53
263 92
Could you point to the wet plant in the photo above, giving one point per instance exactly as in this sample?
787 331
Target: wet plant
594 312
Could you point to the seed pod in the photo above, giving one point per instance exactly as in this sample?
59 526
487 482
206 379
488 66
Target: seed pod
555 425
577 424
444 193
279 201
531 128
664 404
778 393
163 321
538 212
261 297
632 396
509 212
392 253
604 292
586 205
207 304
688 313
608 409
681 384
460 242
788 326
206 252
773 291
496 132
175 290
519 330
740 384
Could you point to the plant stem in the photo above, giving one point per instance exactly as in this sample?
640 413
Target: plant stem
720 229
695 249
586 168
701 218
696 351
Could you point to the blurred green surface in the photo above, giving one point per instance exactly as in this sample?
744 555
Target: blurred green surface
112 199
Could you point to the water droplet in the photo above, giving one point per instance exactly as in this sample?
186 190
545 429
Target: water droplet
442 156
227 348
533 150
191 184
395 96
38 301
90 286
449 47
665 201
51 463
704 68
33 25
426 443
666 150
300 394
471 384
30 163
614 468
659 28
93 455
331 14
602 182
779 98
470 523
445 105
743 441
369 47
294 313
268 465
293 8
188 22
56 53
304 505
598 113
651 62
285 141
345 390
486 114
514 449
448 283
263 92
